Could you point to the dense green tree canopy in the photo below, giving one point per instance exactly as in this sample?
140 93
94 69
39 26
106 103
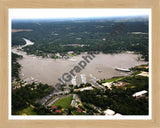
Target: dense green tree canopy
109 35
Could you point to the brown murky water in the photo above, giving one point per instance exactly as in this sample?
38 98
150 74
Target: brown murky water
49 70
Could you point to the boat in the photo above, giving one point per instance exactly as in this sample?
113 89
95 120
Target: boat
122 69
99 70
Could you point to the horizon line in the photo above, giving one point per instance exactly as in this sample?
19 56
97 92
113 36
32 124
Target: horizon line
90 17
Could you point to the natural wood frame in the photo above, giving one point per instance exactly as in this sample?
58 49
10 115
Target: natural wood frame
6 4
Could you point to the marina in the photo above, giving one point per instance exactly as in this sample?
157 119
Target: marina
47 70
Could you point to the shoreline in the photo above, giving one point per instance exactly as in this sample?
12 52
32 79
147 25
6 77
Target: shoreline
71 61
66 56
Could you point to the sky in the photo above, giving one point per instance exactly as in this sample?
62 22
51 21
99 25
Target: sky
73 13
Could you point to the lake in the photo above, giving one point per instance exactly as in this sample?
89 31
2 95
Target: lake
47 70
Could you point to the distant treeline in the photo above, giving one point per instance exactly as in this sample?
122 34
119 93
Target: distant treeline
53 37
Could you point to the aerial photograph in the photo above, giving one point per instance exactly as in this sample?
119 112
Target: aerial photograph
83 62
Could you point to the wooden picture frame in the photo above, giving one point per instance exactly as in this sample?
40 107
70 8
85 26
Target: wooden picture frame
4 90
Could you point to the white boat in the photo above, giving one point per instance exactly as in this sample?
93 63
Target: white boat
122 69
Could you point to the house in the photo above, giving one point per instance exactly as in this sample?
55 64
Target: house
53 107
86 88
109 112
70 52
108 84
58 111
145 74
139 94
83 89
79 110
73 103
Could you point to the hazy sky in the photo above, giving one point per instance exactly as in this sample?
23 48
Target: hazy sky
73 13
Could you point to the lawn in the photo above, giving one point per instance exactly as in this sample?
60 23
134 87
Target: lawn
27 111
71 55
64 102
112 79
136 72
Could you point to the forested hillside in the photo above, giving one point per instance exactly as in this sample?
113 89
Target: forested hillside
108 35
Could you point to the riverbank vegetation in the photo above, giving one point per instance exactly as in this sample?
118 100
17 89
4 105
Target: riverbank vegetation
15 66
111 79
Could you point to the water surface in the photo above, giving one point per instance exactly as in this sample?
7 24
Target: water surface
48 70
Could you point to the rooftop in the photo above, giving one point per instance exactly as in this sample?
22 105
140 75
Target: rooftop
139 93
146 74
109 112
73 103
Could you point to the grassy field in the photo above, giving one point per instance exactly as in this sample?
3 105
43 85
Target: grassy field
27 111
112 79
71 55
136 72
64 102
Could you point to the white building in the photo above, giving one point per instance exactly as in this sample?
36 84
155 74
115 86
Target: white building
86 88
108 84
109 112
139 94
117 114
73 103
145 74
